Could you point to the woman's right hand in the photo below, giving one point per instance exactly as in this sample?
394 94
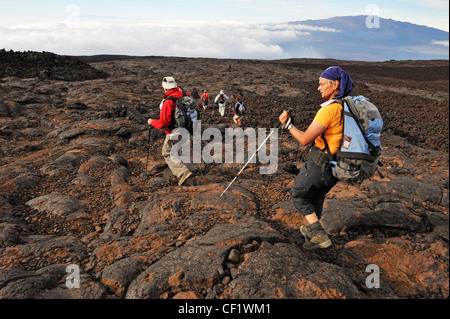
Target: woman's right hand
284 117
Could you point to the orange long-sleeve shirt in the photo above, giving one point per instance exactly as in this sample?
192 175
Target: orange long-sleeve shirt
330 116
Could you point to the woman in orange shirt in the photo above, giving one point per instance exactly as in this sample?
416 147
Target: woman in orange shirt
315 179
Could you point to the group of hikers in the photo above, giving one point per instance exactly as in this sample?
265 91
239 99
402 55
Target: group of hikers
222 100
325 134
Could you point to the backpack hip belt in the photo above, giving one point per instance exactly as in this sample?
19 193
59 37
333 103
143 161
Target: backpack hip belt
319 157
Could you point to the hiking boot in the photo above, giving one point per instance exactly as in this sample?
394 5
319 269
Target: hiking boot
184 177
306 232
315 238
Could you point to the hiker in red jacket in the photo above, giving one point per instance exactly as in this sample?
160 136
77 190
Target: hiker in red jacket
165 121
205 100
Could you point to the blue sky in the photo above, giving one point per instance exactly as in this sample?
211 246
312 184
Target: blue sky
123 27
432 13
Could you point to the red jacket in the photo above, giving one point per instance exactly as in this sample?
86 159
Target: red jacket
167 111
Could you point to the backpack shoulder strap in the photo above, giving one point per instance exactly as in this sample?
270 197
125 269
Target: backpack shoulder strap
172 98
343 112
329 155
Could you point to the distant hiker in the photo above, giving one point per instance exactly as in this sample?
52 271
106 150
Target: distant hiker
195 94
315 178
205 100
222 100
166 121
238 111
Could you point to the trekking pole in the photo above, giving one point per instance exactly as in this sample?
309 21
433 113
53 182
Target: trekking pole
148 148
264 142
249 160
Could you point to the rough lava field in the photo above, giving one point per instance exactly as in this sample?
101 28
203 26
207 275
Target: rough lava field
75 190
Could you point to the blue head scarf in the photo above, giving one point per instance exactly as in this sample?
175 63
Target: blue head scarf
336 73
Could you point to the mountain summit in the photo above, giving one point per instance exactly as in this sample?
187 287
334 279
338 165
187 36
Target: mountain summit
368 38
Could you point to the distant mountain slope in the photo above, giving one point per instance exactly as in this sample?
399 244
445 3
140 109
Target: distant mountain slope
364 38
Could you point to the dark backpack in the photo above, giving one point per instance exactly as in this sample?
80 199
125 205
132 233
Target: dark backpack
358 156
194 94
185 113
221 99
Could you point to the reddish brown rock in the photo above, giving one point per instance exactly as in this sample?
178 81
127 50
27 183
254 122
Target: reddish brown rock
74 189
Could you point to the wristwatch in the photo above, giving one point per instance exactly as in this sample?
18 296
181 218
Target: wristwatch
290 126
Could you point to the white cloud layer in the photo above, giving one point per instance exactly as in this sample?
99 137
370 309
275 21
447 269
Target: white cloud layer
223 39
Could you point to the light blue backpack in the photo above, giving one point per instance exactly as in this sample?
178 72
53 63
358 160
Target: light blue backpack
358 156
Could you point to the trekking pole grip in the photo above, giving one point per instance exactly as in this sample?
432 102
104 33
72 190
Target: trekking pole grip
289 112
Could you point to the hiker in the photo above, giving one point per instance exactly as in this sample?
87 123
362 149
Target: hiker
238 111
222 100
315 178
194 94
165 121
205 100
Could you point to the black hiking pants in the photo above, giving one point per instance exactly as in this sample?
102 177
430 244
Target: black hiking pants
310 188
